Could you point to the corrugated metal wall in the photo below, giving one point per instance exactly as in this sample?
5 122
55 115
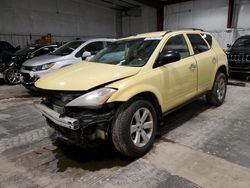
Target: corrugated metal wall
147 22
24 21
211 16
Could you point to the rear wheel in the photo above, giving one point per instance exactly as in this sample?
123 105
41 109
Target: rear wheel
12 76
217 95
134 128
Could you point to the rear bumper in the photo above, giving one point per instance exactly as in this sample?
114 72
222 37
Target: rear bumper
67 122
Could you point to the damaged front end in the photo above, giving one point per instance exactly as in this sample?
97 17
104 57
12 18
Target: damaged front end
81 118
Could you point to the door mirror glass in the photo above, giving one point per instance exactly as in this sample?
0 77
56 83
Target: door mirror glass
85 55
168 57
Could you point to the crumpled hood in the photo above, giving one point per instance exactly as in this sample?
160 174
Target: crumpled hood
84 76
44 59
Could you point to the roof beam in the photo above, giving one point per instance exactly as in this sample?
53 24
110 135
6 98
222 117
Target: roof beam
230 13
169 2
150 3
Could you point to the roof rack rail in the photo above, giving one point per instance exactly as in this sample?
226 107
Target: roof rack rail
194 29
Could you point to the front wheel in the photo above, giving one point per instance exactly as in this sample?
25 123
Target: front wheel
134 128
12 76
217 95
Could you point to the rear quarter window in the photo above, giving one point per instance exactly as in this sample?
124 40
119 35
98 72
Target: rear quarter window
208 38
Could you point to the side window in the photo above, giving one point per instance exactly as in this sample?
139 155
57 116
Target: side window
9 48
52 48
94 47
108 43
80 52
177 43
198 44
208 38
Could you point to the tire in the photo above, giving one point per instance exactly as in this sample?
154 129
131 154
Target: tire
12 76
124 137
217 95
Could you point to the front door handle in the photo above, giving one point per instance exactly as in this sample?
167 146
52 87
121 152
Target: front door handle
192 67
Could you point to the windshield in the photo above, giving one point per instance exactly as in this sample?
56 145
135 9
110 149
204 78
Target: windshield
26 50
67 48
133 52
242 42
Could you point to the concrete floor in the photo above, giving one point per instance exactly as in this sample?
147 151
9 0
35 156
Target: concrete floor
200 146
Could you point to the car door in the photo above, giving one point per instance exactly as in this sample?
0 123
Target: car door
206 61
180 78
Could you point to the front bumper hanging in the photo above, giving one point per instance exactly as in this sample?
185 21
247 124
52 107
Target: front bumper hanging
68 122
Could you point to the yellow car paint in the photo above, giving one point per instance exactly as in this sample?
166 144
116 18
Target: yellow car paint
83 76
171 84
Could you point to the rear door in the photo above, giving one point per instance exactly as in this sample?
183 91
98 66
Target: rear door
206 61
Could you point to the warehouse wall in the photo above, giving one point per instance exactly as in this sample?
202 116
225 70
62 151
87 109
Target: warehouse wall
211 16
146 22
23 21
242 17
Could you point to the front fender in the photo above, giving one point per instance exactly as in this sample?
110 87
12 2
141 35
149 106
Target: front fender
133 86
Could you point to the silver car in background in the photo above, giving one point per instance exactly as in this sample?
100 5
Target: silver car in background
70 53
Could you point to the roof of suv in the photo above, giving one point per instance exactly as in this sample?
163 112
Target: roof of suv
95 39
162 33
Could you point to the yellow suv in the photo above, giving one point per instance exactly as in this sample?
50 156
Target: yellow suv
128 87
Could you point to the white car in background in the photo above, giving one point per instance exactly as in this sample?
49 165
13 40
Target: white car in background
70 53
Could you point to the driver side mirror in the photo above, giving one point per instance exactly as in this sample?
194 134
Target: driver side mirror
166 58
85 55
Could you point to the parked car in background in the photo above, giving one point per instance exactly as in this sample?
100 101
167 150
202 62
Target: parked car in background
10 64
127 88
239 57
70 53
7 48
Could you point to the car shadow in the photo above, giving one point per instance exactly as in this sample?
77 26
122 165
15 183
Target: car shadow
2 82
182 115
92 159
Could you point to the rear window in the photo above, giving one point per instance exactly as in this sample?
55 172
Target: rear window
208 38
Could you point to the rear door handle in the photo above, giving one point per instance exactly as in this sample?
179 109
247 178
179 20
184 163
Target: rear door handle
192 67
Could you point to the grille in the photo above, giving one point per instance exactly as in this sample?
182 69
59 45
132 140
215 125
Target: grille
242 57
27 78
61 99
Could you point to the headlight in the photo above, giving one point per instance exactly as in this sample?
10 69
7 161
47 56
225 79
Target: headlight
11 64
93 99
47 66
43 67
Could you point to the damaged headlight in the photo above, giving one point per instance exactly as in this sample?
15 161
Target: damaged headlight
93 99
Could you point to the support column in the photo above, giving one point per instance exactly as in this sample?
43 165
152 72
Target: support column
230 13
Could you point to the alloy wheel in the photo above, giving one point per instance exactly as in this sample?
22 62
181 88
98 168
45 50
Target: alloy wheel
221 89
141 127
13 76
